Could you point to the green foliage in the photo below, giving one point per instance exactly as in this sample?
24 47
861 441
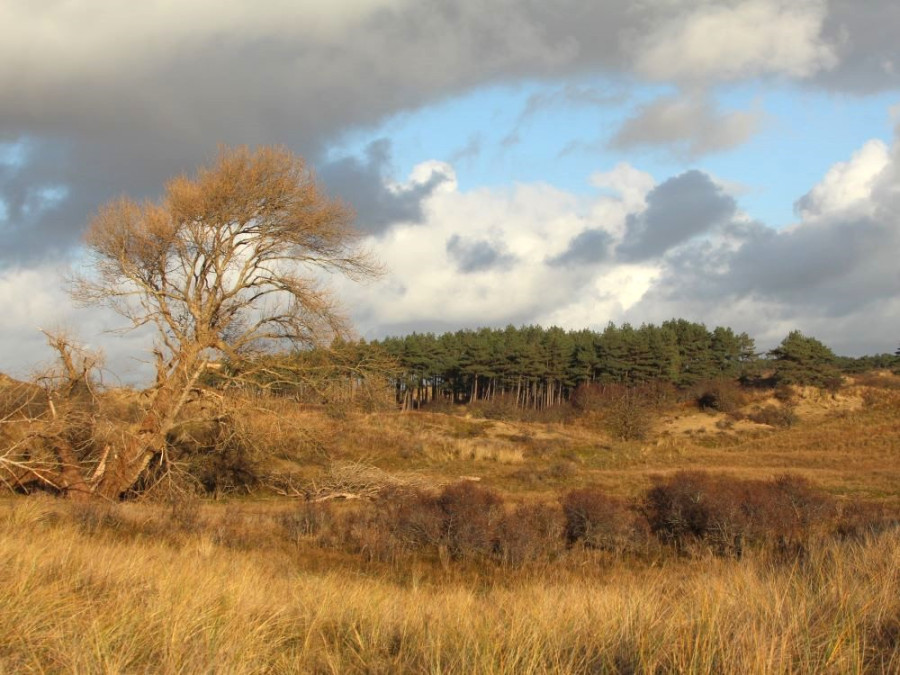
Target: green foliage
804 360
537 368
864 364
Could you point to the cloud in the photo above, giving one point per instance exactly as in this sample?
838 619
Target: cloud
114 99
847 187
500 239
677 210
470 150
679 248
34 299
588 247
476 256
566 96
703 42
366 185
630 184
690 124
834 273
864 38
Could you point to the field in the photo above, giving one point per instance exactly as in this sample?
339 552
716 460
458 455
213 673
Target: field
392 582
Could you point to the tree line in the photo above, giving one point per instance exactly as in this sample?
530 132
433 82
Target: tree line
536 367
533 367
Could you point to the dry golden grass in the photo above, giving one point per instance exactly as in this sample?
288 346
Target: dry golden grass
107 601
203 587
846 447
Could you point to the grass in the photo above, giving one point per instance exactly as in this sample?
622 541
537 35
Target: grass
252 584
73 601
848 451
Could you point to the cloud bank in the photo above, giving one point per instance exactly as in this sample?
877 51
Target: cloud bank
100 98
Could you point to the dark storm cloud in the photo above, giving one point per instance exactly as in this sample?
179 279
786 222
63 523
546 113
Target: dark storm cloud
127 95
363 184
830 268
677 210
476 256
837 266
587 248
864 35
127 99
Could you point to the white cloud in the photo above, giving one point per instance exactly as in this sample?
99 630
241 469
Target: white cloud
711 41
529 224
846 190
35 299
833 275
631 184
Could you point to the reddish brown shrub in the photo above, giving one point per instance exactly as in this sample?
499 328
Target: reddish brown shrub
470 516
597 520
309 519
415 519
727 514
859 519
724 396
530 532
462 519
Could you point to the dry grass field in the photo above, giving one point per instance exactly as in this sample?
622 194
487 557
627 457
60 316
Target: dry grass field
269 583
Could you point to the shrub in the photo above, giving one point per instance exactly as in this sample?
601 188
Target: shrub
629 418
859 519
528 533
724 396
727 513
307 520
597 520
798 511
470 516
776 416
626 411
415 519
785 393
462 519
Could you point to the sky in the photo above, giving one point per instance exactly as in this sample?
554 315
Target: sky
561 162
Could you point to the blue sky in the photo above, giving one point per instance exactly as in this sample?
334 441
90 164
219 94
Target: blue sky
493 141
572 162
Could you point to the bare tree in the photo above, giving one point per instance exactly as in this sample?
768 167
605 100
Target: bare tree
223 266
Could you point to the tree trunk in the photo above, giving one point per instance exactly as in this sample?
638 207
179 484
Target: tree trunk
122 467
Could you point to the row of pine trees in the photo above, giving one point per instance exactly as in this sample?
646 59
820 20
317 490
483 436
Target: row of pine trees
532 367
537 367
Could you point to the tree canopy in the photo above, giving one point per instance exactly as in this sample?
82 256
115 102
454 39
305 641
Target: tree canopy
805 360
